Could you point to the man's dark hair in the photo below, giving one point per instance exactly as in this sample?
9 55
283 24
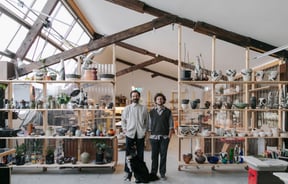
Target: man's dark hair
134 91
160 94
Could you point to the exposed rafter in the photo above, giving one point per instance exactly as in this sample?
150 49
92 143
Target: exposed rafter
21 21
99 43
139 66
36 29
204 28
154 73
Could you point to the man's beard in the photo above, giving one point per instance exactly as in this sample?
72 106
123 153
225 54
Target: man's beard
135 100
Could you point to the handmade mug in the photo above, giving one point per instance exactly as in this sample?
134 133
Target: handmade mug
216 75
246 74
230 74
259 75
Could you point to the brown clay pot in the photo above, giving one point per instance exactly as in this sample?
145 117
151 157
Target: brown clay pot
187 158
90 74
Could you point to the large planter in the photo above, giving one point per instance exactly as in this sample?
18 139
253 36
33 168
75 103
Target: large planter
49 159
20 159
85 157
109 154
99 158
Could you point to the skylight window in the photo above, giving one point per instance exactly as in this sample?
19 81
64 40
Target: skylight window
61 31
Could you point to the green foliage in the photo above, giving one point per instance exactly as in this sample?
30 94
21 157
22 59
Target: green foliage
100 145
63 98
3 86
21 149
50 151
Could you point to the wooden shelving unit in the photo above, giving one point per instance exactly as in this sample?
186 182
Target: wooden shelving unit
237 120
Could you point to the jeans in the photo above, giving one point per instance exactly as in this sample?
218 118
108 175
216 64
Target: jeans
159 147
134 146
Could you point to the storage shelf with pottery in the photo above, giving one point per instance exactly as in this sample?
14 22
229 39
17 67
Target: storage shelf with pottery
238 122
61 120
72 143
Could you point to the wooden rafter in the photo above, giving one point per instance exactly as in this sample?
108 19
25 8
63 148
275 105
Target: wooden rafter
154 73
36 29
140 66
204 28
21 21
99 43
144 69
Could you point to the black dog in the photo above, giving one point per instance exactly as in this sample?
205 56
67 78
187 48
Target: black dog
140 170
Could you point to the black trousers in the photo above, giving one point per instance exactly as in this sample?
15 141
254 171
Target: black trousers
159 148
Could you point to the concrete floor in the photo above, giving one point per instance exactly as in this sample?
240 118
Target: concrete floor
204 174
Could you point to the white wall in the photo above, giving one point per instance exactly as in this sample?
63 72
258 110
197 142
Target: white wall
140 78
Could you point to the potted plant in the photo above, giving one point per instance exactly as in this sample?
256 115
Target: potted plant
49 158
63 99
100 151
20 154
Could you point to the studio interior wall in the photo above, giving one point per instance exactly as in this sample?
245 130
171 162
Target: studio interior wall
144 80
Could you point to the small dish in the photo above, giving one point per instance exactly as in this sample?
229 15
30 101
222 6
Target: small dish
241 105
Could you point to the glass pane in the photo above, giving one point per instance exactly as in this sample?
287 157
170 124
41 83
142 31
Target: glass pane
6 36
17 40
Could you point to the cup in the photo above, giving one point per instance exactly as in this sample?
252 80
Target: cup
259 75
216 75
230 74
246 74
262 102
272 75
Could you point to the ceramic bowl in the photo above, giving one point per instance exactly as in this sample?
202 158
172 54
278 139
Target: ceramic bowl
241 105
241 134
184 130
200 159
212 159
185 101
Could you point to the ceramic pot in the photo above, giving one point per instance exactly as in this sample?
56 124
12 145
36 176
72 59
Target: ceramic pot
85 157
253 102
200 159
259 75
186 74
49 159
78 133
187 158
230 74
216 75
90 74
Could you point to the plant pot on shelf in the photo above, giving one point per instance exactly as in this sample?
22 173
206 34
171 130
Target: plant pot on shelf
20 159
99 157
100 151
109 154
85 157
49 159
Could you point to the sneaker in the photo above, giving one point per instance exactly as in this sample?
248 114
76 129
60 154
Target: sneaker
154 177
163 177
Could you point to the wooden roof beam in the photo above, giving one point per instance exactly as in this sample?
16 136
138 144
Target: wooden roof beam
139 66
99 43
154 73
118 74
36 29
146 52
204 28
